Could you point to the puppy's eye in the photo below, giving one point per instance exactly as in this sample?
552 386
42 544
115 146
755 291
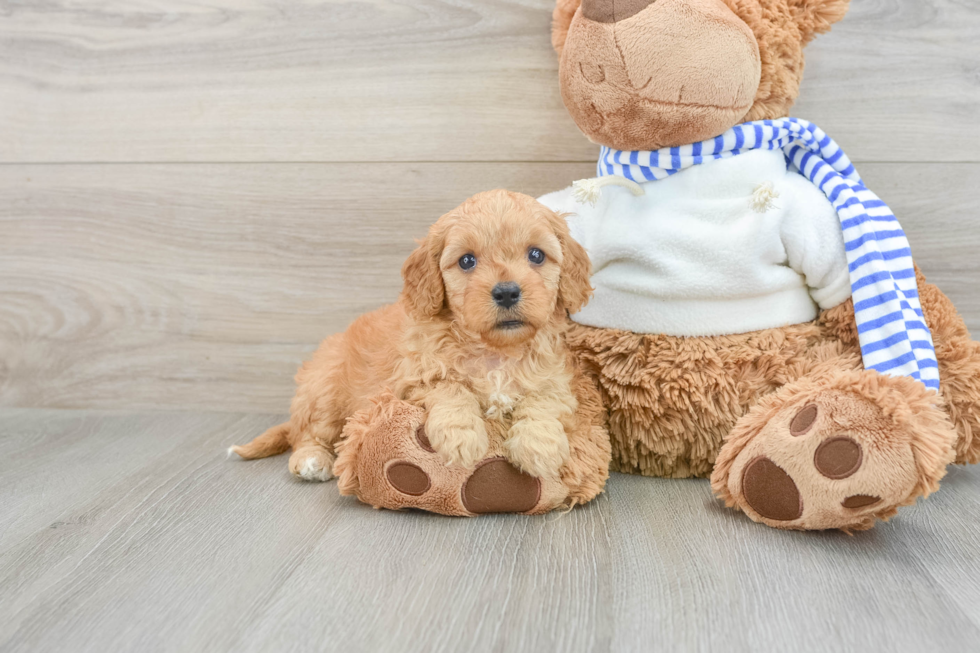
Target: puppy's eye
467 261
535 255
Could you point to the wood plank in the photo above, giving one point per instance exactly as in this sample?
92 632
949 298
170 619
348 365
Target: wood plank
427 80
178 549
52 462
105 523
167 286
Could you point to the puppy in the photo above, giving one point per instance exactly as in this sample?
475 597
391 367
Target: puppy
477 335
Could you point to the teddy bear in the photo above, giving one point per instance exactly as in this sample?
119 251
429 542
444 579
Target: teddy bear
757 317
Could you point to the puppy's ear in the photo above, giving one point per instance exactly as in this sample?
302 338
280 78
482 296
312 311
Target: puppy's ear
423 290
574 289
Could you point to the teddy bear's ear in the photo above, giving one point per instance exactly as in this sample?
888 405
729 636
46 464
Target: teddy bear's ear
817 16
561 19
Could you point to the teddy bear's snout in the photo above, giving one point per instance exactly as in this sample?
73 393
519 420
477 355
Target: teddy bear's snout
612 11
627 80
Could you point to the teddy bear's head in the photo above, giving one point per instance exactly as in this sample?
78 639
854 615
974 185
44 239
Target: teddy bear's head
647 74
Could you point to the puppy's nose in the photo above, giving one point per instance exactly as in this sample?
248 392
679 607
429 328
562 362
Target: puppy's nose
613 11
506 294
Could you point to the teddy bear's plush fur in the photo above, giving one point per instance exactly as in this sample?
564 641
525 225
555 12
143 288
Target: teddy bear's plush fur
680 71
788 424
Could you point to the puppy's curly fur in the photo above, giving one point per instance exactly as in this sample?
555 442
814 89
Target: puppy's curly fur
450 348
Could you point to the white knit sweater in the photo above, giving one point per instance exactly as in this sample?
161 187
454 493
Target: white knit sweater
694 257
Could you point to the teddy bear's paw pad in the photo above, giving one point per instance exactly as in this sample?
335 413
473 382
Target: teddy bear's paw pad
860 501
497 486
770 491
838 458
423 440
803 421
408 478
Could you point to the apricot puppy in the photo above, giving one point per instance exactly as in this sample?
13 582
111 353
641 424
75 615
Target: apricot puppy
477 335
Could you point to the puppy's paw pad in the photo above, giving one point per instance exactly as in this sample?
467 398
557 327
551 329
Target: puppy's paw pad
498 486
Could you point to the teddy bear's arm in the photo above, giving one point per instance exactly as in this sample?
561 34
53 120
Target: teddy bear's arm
811 233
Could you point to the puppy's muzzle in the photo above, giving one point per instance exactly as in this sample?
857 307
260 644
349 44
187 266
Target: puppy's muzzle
506 294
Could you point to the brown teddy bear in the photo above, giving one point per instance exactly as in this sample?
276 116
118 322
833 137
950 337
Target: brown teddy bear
723 332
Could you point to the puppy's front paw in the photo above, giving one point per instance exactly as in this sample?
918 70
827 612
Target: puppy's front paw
459 439
537 447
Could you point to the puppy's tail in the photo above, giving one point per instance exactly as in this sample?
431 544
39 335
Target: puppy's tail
272 442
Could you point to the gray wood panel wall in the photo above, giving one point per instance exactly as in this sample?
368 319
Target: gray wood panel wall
192 195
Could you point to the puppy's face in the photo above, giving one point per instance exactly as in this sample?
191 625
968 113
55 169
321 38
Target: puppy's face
502 265
500 269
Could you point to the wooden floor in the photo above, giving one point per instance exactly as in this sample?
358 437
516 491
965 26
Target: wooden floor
194 194
132 532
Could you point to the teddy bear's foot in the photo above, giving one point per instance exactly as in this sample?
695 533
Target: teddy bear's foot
835 452
386 460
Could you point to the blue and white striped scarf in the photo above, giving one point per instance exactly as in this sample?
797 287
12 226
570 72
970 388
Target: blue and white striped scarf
894 337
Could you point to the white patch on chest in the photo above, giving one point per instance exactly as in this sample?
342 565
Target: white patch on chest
500 391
